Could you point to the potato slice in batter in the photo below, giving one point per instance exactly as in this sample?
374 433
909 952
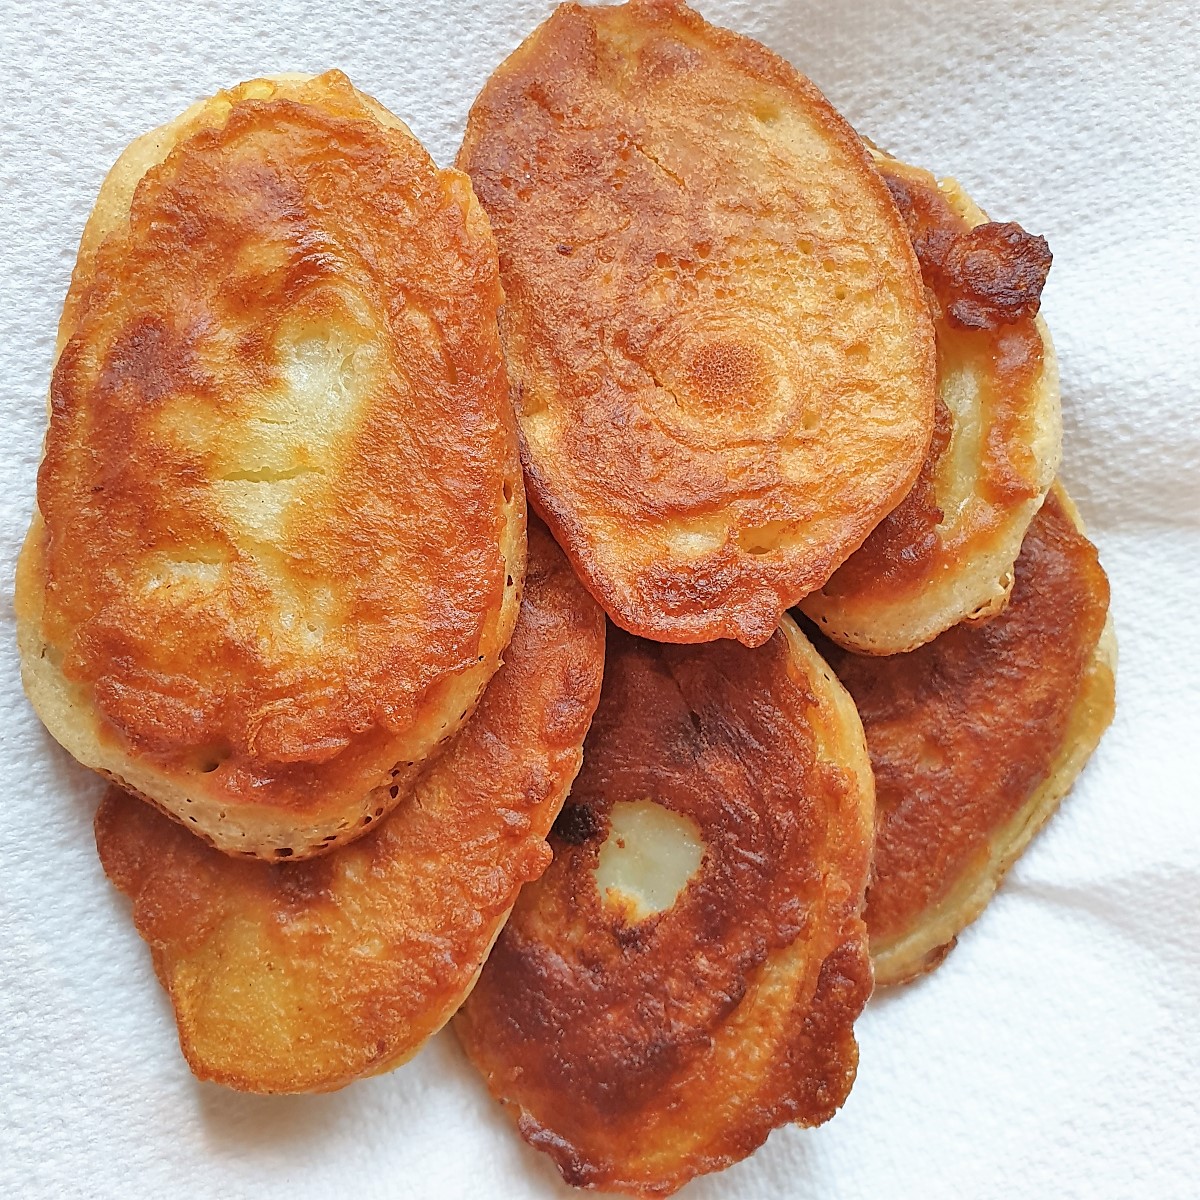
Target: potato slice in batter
686 975
280 530
976 737
295 977
721 356
945 554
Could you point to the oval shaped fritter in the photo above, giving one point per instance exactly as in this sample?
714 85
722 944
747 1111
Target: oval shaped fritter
715 327
685 976
946 553
976 737
297 977
280 528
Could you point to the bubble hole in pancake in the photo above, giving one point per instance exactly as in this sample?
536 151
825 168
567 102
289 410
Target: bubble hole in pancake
685 976
295 977
976 737
722 361
279 539
946 553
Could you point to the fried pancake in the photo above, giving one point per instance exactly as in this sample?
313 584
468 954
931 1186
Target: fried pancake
976 737
685 976
722 361
294 977
280 529
946 553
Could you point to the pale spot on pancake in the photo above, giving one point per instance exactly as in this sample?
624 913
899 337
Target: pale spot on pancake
285 432
958 472
352 868
272 455
648 858
307 616
198 573
259 89
792 131
769 536
691 541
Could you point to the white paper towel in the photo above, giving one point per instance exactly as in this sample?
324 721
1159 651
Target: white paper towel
1057 1051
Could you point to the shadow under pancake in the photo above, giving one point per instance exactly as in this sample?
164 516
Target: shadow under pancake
236 1122
509 1157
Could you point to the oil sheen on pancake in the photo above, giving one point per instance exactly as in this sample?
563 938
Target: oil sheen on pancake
946 553
685 976
295 977
280 529
722 361
976 737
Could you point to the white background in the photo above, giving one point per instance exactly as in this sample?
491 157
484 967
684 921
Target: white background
1057 1051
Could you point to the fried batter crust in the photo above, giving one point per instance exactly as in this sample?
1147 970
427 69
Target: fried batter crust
280 527
723 365
945 553
299 977
639 1053
975 738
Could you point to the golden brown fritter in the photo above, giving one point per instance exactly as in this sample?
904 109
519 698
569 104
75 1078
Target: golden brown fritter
280 526
946 553
685 976
304 976
715 326
976 737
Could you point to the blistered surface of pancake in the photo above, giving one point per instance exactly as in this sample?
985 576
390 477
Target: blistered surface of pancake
641 1034
975 738
946 552
722 362
304 976
280 530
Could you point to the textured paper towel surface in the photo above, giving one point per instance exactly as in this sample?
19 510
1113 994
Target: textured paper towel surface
1057 1052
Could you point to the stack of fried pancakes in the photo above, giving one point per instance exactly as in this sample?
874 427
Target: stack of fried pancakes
373 760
